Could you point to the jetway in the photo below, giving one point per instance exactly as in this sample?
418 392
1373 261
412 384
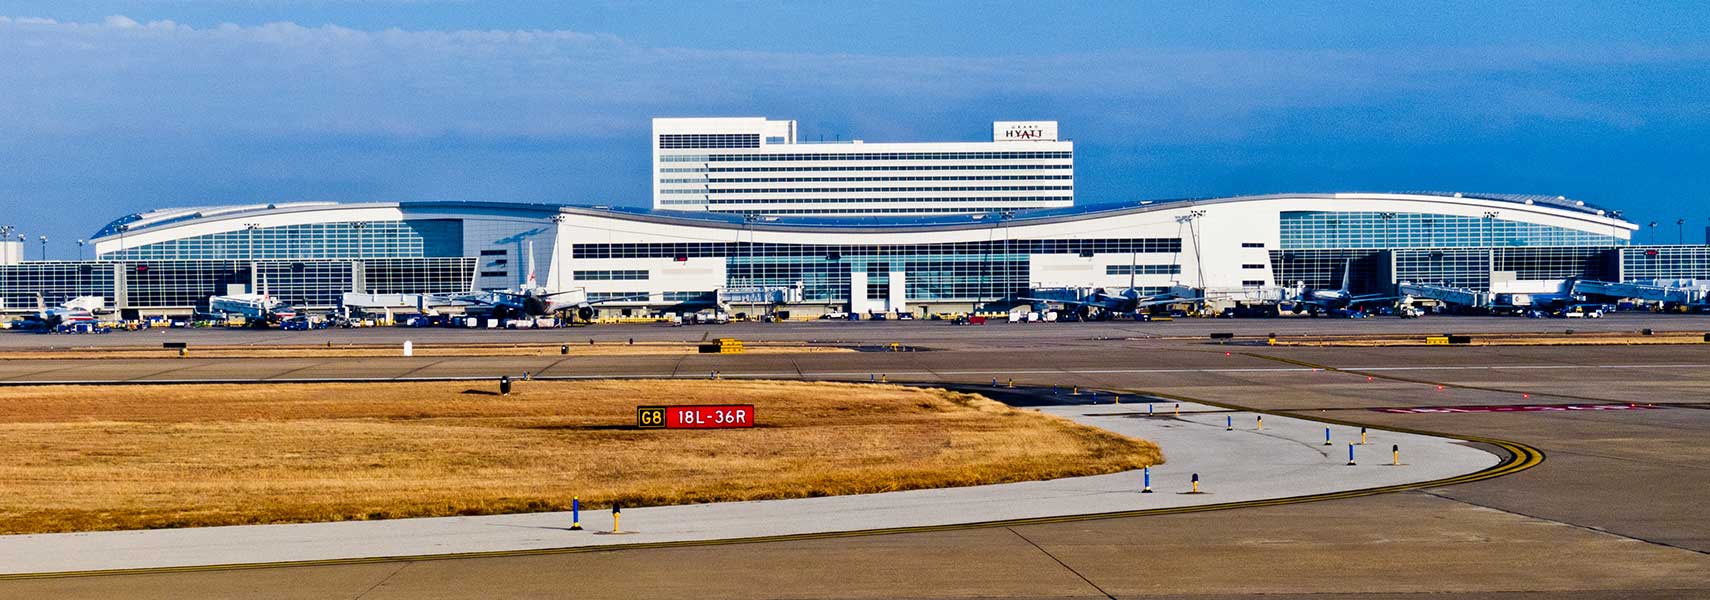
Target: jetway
1448 295
402 301
761 295
1669 293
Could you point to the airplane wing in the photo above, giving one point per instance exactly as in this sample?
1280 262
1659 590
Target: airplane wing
618 299
1063 302
1167 301
1367 299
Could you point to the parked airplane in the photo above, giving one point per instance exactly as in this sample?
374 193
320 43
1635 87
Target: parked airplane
532 300
1101 304
1340 300
81 309
259 308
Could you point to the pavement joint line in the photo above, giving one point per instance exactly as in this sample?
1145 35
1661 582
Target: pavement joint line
406 374
825 374
1558 522
382 581
299 369
1060 562
177 368
1373 373
1513 458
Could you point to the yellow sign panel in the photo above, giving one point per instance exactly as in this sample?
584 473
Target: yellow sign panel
650 417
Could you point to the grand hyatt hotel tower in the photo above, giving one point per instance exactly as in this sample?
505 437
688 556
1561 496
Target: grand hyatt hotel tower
756 166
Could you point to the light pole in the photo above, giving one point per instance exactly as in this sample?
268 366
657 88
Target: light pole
358 226
557 248
44 247
1653 232
1388 219
79 249
1680 231
250 228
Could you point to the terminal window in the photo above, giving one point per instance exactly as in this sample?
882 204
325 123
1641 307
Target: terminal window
1142 269
619 275
709 140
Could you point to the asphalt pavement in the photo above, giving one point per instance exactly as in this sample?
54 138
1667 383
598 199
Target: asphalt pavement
1614 510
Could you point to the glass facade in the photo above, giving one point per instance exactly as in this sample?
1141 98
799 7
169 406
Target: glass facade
1597 264
1448 267
56 281
1322 269
432 275
158 284
376 239
1319 230
1665 262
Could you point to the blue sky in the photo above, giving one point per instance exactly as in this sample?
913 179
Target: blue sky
116 107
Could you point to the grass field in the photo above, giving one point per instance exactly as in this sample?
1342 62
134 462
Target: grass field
423 350
125 457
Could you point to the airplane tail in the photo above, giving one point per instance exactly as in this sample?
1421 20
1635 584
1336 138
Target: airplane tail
531 280
1347 269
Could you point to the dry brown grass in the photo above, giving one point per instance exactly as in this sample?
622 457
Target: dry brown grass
124 457
372 350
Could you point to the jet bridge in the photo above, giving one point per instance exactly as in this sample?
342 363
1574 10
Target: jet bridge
1666 293
1445 294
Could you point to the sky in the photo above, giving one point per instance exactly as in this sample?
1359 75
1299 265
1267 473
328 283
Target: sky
109 108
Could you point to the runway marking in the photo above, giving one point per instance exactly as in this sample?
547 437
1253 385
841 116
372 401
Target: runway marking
1515 457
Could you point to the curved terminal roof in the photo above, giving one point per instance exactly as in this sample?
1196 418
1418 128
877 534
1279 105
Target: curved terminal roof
170 216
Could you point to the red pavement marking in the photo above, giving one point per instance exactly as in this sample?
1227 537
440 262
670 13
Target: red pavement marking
1513 408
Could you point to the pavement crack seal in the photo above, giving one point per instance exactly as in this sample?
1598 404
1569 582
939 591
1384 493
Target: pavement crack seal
382 581
419 369
1376 375
1514 457
1060 562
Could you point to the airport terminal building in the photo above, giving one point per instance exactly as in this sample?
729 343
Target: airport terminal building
1238 249
757 166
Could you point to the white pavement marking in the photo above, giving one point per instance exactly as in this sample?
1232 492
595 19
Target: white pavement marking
1287 458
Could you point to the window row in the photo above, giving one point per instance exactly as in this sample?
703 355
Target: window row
709 140
863 168
621 275
1142 269
1009 188
865 156
1064 198
831 252
838 179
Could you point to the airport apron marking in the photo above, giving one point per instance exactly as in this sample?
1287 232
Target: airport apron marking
1497 408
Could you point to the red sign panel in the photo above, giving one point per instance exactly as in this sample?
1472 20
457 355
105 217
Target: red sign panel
700 416
1512 408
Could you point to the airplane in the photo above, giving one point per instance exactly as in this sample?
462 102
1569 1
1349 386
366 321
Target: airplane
1126 301
1338 301
259 308
81 309
533 300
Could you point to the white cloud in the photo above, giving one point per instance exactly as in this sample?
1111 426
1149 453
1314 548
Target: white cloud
287 79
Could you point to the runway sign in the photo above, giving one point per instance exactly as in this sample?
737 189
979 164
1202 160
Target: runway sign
1512 408
699 416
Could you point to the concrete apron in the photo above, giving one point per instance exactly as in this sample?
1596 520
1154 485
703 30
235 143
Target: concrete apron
1287 458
